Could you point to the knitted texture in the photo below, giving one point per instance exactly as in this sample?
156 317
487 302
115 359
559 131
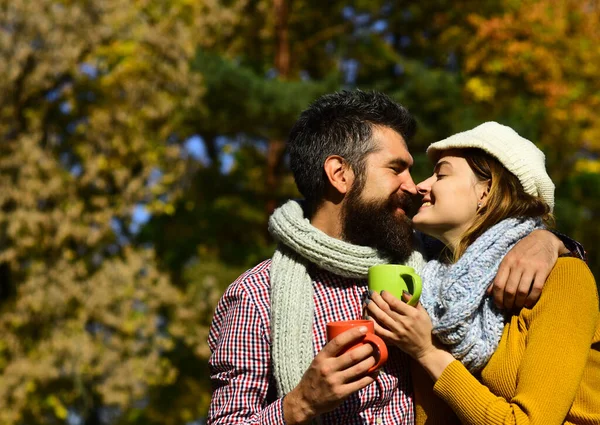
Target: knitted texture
546 369
464 317
520 156
292 304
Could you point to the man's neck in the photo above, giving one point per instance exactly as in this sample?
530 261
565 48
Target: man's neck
328 219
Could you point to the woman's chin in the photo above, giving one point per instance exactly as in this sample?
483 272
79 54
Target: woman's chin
420 224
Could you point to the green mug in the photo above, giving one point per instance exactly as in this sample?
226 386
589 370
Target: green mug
395 278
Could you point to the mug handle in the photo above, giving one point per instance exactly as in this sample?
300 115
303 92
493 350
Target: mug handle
380 346
417 287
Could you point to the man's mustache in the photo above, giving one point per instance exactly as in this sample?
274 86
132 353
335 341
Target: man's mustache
408 204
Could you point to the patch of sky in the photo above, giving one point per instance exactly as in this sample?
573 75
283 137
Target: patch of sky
379 26
304 75
349 68
229 146
227 155
65 159
398 69
65 108
348 12
405 41
73 418
76 170
389 38
88 69
195 148
53 95
362 19
139 216
109 414
117 227
271 74
154 177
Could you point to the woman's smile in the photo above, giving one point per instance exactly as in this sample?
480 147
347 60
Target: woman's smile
425 204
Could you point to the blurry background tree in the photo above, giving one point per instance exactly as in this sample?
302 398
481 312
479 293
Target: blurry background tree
142 152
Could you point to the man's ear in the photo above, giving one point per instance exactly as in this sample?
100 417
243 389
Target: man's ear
338 173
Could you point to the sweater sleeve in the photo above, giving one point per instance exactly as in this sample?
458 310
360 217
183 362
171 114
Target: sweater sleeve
560 330
429 409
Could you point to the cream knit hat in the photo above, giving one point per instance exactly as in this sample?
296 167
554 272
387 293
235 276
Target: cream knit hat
520 156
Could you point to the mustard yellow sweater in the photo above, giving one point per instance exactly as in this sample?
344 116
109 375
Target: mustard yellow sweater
545 371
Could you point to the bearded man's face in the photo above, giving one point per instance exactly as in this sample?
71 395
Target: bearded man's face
383 224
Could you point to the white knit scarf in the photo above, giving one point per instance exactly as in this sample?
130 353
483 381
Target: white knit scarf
464 317
292 304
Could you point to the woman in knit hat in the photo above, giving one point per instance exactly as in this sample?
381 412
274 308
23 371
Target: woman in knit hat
540 365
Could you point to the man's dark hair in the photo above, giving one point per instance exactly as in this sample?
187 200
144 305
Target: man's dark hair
341 124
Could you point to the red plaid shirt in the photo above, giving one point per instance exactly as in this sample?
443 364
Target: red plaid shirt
240 364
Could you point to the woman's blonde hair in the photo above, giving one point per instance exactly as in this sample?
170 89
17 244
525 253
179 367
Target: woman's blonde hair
506 198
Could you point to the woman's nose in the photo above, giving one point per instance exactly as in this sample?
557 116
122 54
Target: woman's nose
425 186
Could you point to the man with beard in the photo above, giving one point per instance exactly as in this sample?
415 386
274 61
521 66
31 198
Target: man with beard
271 362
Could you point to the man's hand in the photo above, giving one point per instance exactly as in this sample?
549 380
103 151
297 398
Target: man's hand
524 270
331 378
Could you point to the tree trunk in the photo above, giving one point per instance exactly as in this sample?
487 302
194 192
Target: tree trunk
276 147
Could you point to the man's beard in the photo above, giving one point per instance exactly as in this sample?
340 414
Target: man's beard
375 224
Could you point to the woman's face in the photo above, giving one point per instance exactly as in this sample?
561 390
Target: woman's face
451 198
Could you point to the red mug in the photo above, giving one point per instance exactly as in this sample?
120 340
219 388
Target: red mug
336 328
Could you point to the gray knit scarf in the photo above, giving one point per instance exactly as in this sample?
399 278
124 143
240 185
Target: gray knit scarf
464 317
292 305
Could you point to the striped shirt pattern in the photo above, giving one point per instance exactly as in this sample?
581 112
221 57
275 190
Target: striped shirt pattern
244 390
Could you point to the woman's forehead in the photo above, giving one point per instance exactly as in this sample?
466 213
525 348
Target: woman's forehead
450 156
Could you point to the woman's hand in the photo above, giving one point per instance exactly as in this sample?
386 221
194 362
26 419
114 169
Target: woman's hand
404 326
408 328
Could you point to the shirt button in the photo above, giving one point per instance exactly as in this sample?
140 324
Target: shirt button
379 420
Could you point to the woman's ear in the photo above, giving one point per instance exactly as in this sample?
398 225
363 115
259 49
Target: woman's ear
338 173
485 191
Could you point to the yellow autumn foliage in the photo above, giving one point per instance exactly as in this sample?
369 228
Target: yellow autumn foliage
548 50
91 98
